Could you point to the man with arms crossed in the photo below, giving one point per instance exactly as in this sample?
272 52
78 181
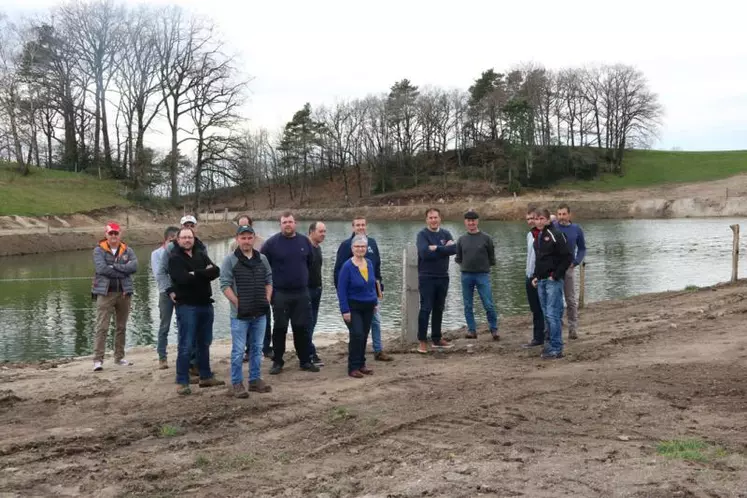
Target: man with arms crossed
577 246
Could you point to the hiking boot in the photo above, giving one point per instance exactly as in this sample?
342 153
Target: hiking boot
211 382
317 361
276 369
163 364
572 334
532 344
98 366
382 356
443 343
183 389
238 391
259 386
552 355
423 347
356 374
309 367
495 335
470 335
365 371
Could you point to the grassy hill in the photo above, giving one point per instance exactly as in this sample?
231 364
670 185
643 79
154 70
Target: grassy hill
54 192
643 168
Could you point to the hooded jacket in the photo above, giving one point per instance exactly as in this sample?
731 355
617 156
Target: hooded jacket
113 269
553 255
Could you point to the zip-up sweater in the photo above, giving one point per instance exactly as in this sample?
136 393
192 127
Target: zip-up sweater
192 289
353 287
290 259
113 270
345 252
434 263
576 242
248 278
553 255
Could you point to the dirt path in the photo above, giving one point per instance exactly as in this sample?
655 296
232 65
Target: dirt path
496 422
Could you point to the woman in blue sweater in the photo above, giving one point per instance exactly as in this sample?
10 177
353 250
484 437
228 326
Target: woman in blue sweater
356 291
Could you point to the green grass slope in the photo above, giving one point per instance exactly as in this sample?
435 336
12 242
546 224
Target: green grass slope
54 192
643 168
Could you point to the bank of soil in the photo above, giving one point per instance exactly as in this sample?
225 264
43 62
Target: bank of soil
490 420
32 235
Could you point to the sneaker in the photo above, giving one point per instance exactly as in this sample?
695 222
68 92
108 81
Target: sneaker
317 361
532 344
211 382
276 369
470 335
495 335
572 334
382 356
183 389
365 371
163 364
123 363
309 367
443 343
423 347
259 386
98 366
238 391
356 374
552 355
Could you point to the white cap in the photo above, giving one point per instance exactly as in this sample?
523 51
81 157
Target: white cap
188 219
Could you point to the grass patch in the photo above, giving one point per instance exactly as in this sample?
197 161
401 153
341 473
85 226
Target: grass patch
692 450
202 461
167 430
340 414
692 288
643 168
55 192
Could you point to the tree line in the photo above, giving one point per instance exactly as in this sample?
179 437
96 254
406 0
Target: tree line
82 87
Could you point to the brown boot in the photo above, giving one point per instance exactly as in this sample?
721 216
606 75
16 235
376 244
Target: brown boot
211 382
382 356
163 364
238 391
259 386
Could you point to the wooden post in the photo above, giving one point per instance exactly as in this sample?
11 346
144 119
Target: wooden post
582 285
127 219
735 253
410 294
225 214
49 229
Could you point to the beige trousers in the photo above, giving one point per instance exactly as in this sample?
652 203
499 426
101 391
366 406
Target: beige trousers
119 305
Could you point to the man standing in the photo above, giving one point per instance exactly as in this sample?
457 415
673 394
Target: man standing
246 280
165 301
290 257
538 321
553 259
475 253
577 246
317 234
435 245
191 272
114 265
344 253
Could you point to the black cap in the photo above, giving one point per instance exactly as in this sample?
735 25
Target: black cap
244 229
471 215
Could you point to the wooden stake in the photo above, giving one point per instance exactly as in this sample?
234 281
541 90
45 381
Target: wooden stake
735 253
410 294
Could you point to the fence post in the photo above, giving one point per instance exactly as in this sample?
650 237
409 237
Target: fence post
410 294
735 253
49 229
582 285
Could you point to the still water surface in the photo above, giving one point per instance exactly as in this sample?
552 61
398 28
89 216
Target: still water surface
46 309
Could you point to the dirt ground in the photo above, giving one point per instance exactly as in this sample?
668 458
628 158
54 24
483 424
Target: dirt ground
488 420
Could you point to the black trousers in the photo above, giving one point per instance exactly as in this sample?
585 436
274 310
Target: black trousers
538 320
291 307
361 316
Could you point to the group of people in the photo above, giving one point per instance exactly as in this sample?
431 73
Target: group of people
280 280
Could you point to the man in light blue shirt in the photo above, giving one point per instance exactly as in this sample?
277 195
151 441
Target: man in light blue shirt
165 301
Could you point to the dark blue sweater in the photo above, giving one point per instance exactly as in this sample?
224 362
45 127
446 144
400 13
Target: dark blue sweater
290 259
575 237
434 263
345 252
352 287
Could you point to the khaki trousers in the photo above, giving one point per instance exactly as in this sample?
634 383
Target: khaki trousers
571 300
119 305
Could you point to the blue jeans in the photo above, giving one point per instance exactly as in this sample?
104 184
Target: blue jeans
243 331
376 333
315 298
433 292
482 282
165 313
551 299
195 327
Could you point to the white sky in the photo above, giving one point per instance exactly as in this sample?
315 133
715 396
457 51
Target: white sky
694 55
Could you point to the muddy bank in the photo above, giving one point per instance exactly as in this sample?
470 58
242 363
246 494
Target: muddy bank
487 420
73 239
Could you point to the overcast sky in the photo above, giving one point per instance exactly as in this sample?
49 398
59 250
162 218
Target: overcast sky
695 57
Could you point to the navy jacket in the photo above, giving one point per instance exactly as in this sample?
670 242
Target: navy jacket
345 252
434 263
